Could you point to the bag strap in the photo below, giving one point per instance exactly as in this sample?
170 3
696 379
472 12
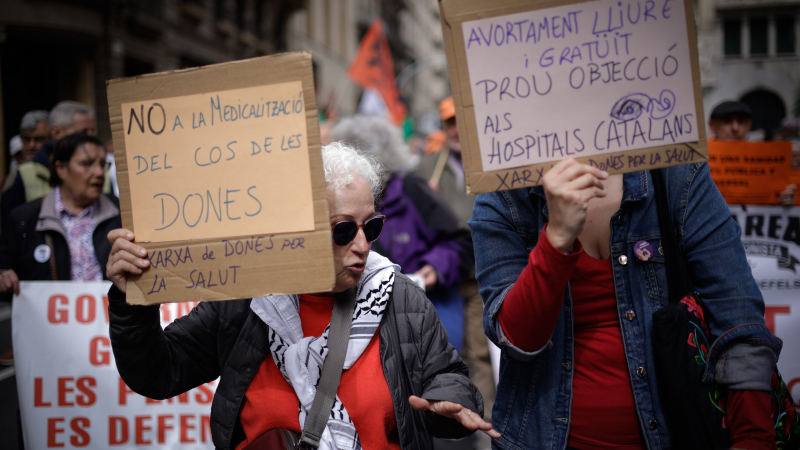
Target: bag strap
53 272
338 337
678 281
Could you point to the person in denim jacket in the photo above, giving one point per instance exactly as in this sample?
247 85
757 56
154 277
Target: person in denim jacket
583 210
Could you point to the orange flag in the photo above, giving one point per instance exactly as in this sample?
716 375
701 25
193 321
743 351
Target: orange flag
373 68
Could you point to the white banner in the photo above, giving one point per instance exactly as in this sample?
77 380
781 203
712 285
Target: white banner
771 238
70 393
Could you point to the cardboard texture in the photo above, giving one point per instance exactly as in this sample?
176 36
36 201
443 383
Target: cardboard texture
753 173
615 85
220 177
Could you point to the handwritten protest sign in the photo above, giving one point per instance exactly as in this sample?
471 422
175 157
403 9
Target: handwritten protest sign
613 84
221 180
232 169
750 172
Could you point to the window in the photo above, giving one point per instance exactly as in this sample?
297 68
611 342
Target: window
733 37
784 27
758 36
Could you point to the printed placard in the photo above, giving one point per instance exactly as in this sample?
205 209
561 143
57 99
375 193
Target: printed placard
70 393
771 238
220 177
750 172
537 81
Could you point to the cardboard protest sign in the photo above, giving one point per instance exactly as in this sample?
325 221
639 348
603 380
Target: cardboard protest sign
615 85
750 172
220 178
70 393
771 238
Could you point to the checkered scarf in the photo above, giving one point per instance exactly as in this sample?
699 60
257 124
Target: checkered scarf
300 358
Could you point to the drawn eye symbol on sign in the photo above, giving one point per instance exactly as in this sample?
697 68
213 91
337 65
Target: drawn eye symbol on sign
631 106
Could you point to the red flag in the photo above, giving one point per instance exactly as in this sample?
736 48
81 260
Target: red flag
373 68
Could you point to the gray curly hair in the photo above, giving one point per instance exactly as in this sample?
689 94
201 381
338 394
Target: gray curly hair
341 162
376 136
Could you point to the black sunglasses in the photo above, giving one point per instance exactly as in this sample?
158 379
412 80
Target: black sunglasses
345 231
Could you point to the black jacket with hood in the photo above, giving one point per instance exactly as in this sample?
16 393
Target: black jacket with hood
227 339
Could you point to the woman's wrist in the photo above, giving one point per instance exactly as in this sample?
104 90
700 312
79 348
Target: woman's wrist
562 243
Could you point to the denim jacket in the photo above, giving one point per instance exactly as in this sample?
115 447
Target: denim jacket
534 393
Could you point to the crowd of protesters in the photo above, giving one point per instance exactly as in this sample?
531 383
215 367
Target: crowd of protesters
552 255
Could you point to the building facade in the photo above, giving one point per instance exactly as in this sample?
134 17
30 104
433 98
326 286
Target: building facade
750 51
66 50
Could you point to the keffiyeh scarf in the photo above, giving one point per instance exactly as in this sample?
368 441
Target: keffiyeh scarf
300 358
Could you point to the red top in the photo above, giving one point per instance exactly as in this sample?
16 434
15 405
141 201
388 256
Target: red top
608 420
271 403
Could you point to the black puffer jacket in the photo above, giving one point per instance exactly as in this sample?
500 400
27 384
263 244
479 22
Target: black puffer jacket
227 339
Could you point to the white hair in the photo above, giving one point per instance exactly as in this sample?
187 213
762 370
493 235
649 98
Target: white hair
63 114
32 118
342 162
377 136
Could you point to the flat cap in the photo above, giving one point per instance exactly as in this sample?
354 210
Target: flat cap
729 108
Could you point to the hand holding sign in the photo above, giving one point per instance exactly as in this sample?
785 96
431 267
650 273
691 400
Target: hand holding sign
126 257
569 186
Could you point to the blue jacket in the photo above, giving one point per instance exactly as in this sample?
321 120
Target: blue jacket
532 409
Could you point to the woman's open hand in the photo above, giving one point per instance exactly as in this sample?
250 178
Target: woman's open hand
568 187
126 257
470 420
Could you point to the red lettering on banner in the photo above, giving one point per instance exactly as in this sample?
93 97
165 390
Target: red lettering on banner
165 315
124 391
55 314
185 308
63 390
205 395
769 315
140 429
205 425
81 438
53 430
163 426
86 385
185 426
105 306
37 394
117 430
149 429
85 309
99 354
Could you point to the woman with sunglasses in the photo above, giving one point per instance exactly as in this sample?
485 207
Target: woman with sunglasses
402 380
422 234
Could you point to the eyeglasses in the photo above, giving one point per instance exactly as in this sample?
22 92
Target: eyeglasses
345 231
